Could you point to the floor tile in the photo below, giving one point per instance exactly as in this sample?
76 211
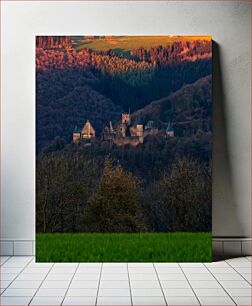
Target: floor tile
198 270
5 283
114 284
25 284
243 270
210 292
91 264
117 277
236 259
180 300
28 276
221 300
21 258
241 264
102 300
235 284
204 284
166 265
146 292
63 270
200 276
171 276
140 300
168 270
14 264
243 300
229 276
175 284
220 270
145 284
114 292
84 284
143 277
82 292
239 291
19 292
30 270
47 300
247 277
40 264
55 284
9 270
79 301
88 270
178 292
7 277
3 259
216 264
139 270
114 268
59 277
51 292
15 300
65 265
191 264
91 277
140 265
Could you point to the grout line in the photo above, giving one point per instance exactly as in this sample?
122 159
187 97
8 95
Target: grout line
160 284
16 276
41 283
247 258
96 300
189 283
70 283
131 299
9 257
238 272
220 284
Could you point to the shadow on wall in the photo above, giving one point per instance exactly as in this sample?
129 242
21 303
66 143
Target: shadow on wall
225 220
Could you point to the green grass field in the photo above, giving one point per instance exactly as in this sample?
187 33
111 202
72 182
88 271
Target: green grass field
145 247
123 44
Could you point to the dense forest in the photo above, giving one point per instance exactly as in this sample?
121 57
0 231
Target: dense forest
163 184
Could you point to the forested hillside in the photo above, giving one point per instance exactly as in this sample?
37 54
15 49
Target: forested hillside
189 108
161 184
73 87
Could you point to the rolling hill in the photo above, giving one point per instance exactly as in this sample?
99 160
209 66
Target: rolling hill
189 108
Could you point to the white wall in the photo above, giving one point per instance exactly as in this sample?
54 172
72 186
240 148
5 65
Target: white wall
227 22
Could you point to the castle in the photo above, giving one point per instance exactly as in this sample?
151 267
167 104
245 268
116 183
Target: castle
86 133
124 133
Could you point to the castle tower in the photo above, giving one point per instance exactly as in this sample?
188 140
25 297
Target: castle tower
139 129
169 130
88 131
76 135
126 118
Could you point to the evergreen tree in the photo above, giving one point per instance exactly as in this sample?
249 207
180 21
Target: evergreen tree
115 207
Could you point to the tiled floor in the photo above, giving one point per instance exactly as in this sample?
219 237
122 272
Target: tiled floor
24 282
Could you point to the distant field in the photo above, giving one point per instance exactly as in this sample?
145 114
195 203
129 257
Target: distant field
126 43
146 247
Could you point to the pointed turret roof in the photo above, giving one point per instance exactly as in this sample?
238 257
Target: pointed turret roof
139 120
169 127
76 129
88 128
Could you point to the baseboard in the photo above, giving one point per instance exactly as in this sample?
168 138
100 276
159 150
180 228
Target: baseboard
222 247
225 247
17 247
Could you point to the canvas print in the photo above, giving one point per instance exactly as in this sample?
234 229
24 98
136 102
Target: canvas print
123 148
